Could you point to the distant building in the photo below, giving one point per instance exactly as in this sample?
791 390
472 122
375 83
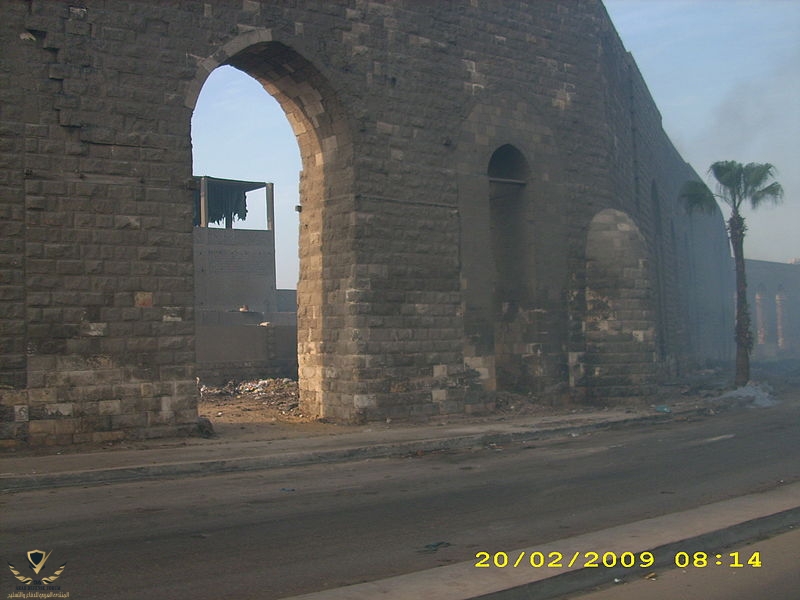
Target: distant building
773 291
241 331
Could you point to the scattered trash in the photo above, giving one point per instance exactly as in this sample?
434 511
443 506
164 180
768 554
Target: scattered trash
429 548
760 395
287 489
651 576
663 409
619 580
262 397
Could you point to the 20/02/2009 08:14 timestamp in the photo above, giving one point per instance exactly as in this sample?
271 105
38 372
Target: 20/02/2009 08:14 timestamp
628 560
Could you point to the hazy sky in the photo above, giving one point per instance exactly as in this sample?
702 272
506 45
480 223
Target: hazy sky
725 75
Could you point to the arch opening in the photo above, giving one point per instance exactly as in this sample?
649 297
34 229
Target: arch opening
318 126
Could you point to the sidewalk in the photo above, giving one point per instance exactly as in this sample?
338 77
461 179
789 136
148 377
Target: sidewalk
280 445
714 529
778 577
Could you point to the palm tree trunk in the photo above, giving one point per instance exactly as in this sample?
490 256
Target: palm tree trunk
744 337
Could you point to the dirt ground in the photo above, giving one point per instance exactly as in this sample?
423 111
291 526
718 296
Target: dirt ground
277 400
251 410
257 401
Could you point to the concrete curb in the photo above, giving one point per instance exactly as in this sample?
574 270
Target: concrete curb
91 476
578 581
712 528
273 458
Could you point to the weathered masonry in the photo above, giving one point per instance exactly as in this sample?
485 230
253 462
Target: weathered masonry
488 202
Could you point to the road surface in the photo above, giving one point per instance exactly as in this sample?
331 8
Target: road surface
277 533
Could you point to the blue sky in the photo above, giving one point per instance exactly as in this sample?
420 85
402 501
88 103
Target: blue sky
725 75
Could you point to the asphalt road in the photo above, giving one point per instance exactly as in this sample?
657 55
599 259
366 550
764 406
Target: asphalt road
272 534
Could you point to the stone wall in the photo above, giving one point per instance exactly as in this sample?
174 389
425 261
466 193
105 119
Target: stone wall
234 268
245 351
406 305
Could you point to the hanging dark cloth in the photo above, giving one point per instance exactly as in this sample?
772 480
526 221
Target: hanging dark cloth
227 200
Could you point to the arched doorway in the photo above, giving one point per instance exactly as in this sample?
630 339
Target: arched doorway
246 166
321 129
619 324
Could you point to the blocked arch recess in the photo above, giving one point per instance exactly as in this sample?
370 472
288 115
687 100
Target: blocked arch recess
619 323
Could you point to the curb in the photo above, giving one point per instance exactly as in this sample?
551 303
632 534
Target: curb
32 481
575 582
711 529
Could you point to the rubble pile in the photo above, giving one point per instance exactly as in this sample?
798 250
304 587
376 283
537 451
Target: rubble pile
249 401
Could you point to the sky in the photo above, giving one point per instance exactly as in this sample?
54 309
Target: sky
724 74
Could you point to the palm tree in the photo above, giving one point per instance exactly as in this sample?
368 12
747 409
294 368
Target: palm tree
736 184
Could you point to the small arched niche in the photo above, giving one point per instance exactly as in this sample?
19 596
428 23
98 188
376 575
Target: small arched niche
508 177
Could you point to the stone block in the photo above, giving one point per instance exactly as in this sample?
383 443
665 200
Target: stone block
42 427
109 407
129 421
21 413
107 436
61 409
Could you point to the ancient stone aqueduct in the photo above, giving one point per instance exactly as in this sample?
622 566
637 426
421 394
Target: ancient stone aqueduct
489 202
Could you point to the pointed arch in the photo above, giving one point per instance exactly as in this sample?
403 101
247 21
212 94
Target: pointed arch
323 130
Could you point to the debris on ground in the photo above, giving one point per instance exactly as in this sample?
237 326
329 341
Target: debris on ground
278 400
760 394
259 400
434 547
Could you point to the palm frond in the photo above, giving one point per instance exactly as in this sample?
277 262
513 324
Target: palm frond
727 172
696 197
772 193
